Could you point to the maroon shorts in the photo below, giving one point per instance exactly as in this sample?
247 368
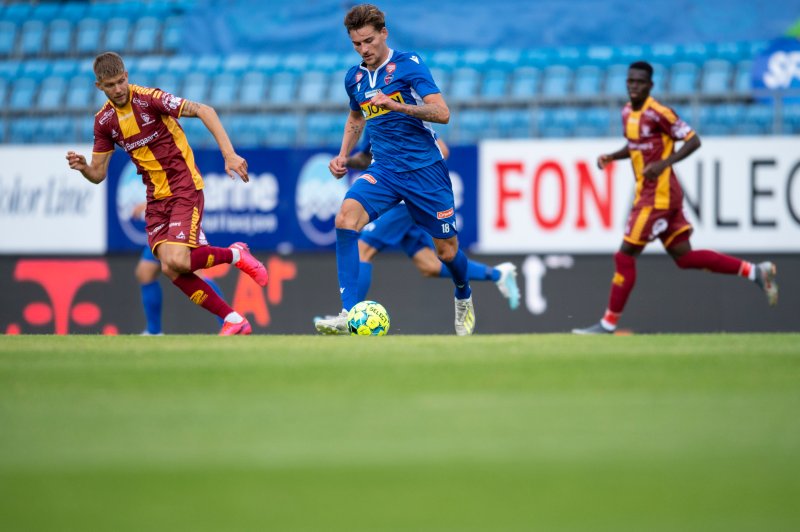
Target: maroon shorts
176 219
645 224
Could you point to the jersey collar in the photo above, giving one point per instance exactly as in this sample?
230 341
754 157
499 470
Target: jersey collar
373 76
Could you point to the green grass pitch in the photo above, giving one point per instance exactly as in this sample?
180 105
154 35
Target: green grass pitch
402 433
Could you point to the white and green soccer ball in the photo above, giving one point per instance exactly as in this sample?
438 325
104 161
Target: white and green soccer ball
368 318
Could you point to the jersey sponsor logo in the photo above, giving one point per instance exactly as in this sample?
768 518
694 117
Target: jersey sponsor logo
368 178
141 142
171 101
139 102
441 215
359 75
156 229
105 117
370 110
390 68
146 119
180 236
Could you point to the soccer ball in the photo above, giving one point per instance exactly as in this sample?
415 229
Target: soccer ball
368 318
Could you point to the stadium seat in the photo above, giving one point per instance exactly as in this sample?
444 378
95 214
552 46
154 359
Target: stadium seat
683 79
267 63
195 86
172 34
464 85
505 58
24 130
599 55
443 59
65 68
660 75
525 83
9 69
665 53
17 12
51 94
324 129
3 91
88 34
73 11
743 80
588 79
325 62
150 65
224 87
716 77
237 63
180 65
282 88
169 82
116 35
80 92
31 40
59 37
557 82
570 56
144 38
616 81
512 123
23 91
37 69
45 11
295 62
592 122
8 37
441 77
791 119
313 86
208 64
285 129
254 88
759 120
55 129
3 131
472 125
476 58
494 86
335 93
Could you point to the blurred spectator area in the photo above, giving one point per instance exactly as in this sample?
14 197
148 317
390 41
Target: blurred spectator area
47 92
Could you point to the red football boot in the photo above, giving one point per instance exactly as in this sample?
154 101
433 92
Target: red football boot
231 329
250 265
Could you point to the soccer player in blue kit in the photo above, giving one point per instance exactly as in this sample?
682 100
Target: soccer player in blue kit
394 96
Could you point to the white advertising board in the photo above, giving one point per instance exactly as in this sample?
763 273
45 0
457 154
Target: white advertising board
742 194
47 208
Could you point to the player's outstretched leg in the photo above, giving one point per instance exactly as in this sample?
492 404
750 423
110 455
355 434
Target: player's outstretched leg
507 283
332 324
765 279
248 263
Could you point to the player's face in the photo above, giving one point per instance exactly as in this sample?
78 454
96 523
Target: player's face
115 89
370 45
639 85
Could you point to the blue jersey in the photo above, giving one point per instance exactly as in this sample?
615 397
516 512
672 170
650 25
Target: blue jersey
399 142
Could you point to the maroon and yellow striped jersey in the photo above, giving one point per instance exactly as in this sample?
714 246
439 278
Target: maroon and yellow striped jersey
147 129
651 133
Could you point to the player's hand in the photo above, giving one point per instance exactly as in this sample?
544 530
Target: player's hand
338 166
653 170
603 161
235 165
76 161
384 102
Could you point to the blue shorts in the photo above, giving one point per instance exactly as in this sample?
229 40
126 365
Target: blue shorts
147 254
427 192
396 228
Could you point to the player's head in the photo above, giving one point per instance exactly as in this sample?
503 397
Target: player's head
111 77
640 81
366 26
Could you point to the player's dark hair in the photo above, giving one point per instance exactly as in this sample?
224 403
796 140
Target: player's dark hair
644 66
108 65
364 15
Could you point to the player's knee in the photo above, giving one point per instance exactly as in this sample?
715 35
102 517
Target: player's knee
446 253
345 220
173 266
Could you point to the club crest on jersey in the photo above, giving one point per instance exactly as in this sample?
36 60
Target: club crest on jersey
390 68
388 79
370 110
441 215
368 178
359 75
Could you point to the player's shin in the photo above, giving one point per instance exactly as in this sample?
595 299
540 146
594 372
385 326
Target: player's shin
347 265
621 286
200 293
458 268
208 256
704 259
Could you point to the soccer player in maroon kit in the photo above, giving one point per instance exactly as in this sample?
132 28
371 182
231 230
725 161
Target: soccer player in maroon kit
651 130
143 122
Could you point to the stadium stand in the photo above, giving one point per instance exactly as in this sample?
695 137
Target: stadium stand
297 98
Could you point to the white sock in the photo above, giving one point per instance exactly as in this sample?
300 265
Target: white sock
753 272
234 317
237 255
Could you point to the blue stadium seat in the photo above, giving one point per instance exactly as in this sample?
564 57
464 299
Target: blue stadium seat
197 133
472 125
665 53
144 39
791 119
324 129
557 82
18 12
224 87
59 39
732 52
150 65
570 56
477 58
441 77
495 84
65 68
592 122
3 91
24 130
84 128
443 59
31 40
630 53
116 35
660 74
73 11
537 57
8 37
80 92
179 64
313 86
525 83
172 34
616 80
758 120
51 94
325 62
169 82
55 129
237 63
683 79
512 123
23 91
267 63
45 11
716 77
588 79
335 93
254 88
549 125
195 86
505 58
98 98
696 53
282 88
599 55
241 130
9 68
285 129
37 69
87 39
3 131
208 64
464 84
295 62
743 78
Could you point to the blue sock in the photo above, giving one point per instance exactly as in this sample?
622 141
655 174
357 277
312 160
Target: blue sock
364 279
151 301
215 287
347 266
476 271
458 269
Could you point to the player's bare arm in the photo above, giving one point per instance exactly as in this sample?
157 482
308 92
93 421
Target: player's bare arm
352 132
434 108
359 161
95 171
606 158
234 164
653 170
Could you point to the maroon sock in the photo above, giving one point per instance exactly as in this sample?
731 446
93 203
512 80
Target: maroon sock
198 291
208 256
622 284
704 259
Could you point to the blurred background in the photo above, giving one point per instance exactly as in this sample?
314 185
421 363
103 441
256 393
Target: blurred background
526 82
